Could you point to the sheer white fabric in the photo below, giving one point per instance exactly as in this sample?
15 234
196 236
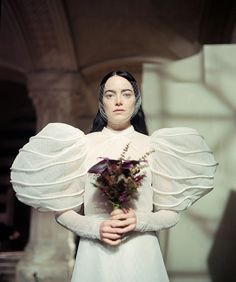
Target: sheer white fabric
82 225
88 225
50 173
182 166
156 221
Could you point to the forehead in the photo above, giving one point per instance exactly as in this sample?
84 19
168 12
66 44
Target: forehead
117 82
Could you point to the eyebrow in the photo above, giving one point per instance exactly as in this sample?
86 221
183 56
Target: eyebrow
123 90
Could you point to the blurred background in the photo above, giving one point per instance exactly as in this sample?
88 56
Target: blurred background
53 53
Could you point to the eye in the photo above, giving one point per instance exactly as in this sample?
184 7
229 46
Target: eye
109 95
128 94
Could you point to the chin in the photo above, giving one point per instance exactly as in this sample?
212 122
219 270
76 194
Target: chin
120 120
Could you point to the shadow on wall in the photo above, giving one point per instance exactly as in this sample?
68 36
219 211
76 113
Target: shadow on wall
221 260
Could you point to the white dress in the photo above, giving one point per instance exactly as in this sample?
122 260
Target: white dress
50 173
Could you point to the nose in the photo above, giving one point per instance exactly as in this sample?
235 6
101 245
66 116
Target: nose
119 100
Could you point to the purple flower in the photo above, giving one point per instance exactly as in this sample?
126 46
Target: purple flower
118 180
102 166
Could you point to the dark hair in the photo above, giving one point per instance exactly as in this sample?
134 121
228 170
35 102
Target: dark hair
138 121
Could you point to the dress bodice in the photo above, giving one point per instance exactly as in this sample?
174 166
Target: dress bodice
109 144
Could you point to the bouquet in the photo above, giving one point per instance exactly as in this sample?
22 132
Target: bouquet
118 180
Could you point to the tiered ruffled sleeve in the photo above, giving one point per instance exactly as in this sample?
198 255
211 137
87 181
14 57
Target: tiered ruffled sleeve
48 173
182 168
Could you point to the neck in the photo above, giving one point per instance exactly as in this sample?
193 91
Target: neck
118 127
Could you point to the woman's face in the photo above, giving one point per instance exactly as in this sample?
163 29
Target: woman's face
118 102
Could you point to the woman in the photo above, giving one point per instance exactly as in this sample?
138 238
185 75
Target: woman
119 245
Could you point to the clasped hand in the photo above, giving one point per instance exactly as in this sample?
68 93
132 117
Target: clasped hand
120 223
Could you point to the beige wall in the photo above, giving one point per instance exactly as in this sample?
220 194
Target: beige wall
197 92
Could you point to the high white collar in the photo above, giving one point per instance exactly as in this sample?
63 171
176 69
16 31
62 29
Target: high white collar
111 131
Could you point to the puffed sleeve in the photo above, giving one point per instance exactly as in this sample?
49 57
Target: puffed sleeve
182 167
49 172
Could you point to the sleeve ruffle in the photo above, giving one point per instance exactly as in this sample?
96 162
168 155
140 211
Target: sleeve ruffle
182 167
48 173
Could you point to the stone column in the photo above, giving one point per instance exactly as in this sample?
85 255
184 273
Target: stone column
54 95
49 255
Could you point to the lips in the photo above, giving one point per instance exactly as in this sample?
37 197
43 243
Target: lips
118 110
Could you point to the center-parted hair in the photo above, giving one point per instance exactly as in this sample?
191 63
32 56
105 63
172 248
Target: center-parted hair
137 118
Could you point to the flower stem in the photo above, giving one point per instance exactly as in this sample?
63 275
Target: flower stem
115 206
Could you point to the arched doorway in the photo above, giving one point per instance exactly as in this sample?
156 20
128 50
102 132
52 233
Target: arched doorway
17 124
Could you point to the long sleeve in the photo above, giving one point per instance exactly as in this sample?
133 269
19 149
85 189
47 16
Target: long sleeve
83 226
156 221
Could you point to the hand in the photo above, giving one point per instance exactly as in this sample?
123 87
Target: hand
121 222
110 232
127 218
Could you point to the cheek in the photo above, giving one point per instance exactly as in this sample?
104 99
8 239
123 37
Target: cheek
131 105
106 106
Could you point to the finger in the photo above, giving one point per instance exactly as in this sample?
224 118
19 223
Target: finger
116 211
123 223
116 226
115 229
119 216
129 228
118 223
123 216
123 229
109 229
125 210
111 242
111 236
129 213
108 223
